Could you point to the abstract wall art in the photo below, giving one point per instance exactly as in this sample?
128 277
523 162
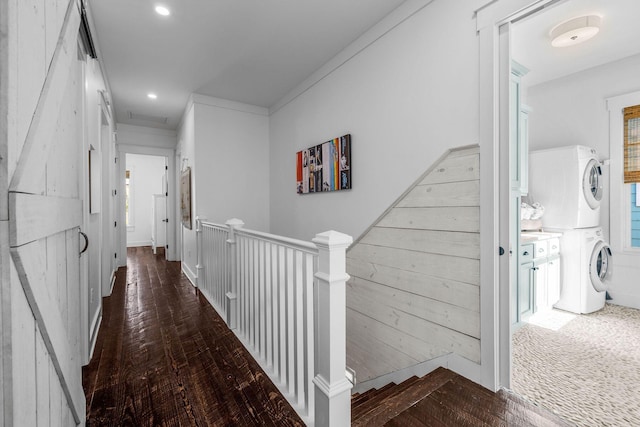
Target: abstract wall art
324 167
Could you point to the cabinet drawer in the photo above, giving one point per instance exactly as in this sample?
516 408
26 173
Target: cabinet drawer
526 253
540 249
554 246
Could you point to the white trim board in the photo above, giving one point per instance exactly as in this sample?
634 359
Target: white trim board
493 20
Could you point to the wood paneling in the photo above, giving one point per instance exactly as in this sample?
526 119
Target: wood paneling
35 222
444 266
434 311
455 218
466 193
43 118
466 245
464 295
165 357
415 274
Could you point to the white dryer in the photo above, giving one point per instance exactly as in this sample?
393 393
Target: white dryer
567 181
585 263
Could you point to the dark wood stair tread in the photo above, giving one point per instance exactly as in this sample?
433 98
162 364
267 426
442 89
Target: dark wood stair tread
444 398
405 394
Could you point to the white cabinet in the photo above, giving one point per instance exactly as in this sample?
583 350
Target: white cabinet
553 280
158 222
539 287
519 132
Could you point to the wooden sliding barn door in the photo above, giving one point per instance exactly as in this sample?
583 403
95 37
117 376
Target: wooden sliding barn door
45 214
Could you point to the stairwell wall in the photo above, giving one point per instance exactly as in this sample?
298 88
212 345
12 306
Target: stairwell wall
405 93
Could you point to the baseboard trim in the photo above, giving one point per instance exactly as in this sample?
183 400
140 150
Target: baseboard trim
95 328
189 273
452 361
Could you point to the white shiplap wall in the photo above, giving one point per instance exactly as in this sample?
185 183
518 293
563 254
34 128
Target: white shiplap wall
414 292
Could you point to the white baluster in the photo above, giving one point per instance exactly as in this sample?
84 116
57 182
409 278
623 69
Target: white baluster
232 309
332 388
199 265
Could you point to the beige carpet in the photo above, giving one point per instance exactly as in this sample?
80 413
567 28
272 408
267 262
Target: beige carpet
587 371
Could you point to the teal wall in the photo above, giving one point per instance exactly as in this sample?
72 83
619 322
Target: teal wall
635 218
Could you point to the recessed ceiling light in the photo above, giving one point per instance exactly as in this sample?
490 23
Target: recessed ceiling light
574 31
152 96
161 10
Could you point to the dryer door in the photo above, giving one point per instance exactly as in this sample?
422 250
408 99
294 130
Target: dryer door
592 183
599 266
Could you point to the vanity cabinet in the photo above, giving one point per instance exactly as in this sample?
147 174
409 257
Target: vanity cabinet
526 285
539 276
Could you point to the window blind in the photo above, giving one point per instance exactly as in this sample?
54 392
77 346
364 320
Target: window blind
632 144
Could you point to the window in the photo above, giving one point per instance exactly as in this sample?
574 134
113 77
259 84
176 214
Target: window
632 168
632 144
128 200
635 215
624 145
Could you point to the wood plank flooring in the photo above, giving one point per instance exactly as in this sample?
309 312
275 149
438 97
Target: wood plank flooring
165 358
444 398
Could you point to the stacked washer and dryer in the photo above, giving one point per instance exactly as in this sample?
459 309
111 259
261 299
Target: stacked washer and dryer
567 181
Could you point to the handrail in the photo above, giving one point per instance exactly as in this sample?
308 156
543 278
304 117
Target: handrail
292 243
284 299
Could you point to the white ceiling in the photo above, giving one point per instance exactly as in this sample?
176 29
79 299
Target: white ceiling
619 37
250 51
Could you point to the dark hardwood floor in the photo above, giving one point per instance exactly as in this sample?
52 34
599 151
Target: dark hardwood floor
164 357
445 399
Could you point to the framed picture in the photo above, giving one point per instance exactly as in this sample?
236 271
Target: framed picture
185 197
325 167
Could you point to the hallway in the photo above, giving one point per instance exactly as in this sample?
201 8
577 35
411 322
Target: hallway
164 357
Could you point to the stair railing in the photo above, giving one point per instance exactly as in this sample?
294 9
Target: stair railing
285 299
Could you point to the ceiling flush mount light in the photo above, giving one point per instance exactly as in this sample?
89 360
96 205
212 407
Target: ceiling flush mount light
574 31
161 10
152 96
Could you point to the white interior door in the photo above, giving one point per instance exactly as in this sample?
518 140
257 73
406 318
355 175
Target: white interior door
45 214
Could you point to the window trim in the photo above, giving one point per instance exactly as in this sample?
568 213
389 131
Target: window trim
131 226
620 193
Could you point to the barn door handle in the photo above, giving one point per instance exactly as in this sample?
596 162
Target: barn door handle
86 242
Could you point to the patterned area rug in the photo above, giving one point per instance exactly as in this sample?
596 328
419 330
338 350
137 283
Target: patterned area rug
587 371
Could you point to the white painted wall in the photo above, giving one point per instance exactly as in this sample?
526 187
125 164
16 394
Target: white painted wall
96 266
186 150
405 97
226 144
146 136
147 173
573 110
232 162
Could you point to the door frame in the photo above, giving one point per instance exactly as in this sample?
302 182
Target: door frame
120 167
493 22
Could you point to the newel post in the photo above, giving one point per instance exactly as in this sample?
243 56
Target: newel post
332 388
232 294
199 264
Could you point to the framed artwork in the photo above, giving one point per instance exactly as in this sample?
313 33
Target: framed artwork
185 197
324 167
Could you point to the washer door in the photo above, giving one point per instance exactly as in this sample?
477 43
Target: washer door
599 266
592 183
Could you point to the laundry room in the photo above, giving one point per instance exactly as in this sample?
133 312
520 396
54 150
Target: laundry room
576 300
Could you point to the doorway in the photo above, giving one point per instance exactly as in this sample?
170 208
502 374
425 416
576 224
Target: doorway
567 92
145 201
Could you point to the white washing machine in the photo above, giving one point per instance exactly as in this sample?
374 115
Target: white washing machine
585 263
567 181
